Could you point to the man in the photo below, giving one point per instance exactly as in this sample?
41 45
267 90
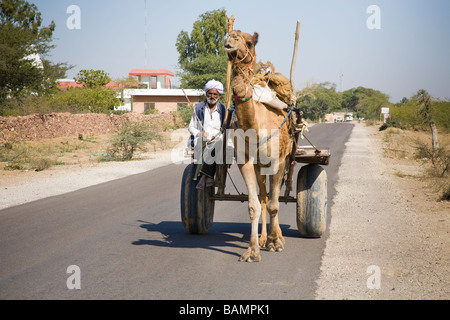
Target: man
206 122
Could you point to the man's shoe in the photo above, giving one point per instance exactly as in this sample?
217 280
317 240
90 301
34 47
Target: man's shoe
201 184
209 182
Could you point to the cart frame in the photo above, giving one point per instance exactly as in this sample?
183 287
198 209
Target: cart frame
197 206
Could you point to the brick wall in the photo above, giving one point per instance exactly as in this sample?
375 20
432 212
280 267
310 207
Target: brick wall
54 125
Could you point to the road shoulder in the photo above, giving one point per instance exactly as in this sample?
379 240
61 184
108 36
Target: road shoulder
380 245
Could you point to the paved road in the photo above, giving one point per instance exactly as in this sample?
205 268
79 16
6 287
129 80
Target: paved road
128 242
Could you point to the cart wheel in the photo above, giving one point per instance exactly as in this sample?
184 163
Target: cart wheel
197 210
312 201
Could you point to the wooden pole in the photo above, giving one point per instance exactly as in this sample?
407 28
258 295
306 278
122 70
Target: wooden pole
294 58
230 64
222 169
290 173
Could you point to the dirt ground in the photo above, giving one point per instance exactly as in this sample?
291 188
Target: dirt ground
389 236
64 154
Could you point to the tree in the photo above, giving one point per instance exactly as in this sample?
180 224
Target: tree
350 100
93 96
24 43
95 100
92 78
317 99
424 99
365 102
201 54
206 67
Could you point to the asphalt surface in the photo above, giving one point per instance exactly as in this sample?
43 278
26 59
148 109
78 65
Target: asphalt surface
127 239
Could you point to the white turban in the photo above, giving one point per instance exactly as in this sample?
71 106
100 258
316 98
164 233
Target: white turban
213 84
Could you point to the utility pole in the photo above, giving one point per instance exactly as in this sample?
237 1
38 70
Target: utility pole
145 35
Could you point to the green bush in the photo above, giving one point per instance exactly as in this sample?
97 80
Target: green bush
73 100
33 104
185 113
407 115
95 100
132 137
441 114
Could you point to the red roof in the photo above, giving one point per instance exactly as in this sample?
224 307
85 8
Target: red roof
68 84
151 72
62 85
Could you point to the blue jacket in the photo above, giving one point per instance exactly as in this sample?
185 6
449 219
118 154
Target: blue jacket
200 111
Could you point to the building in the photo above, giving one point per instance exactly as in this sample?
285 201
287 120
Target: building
155 92
153 78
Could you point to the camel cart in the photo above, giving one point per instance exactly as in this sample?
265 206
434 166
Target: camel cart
197 206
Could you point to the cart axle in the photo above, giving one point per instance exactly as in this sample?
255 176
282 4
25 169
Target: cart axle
243 198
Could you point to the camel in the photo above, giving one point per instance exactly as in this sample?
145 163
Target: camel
254 115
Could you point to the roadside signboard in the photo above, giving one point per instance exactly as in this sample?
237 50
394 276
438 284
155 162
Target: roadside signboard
384 110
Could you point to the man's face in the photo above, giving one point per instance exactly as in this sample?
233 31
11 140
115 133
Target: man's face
212 96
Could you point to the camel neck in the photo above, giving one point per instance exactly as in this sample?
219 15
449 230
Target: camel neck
241 83
245 109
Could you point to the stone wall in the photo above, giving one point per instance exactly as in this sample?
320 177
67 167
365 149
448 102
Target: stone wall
45 126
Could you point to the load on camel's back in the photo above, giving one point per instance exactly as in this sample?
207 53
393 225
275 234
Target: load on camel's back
272 88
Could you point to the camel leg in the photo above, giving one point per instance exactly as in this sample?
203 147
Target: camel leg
275 239
263 201
254 209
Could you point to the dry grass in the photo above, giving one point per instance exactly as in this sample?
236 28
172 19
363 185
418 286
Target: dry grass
67 151
406 148
40 155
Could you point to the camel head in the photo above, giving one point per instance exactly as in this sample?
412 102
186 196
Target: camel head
241 46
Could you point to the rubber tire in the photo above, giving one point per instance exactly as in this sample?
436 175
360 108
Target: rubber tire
197 210
312 201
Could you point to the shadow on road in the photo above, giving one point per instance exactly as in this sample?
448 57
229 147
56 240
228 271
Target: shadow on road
221 237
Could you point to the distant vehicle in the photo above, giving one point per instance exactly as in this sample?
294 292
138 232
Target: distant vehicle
338 119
